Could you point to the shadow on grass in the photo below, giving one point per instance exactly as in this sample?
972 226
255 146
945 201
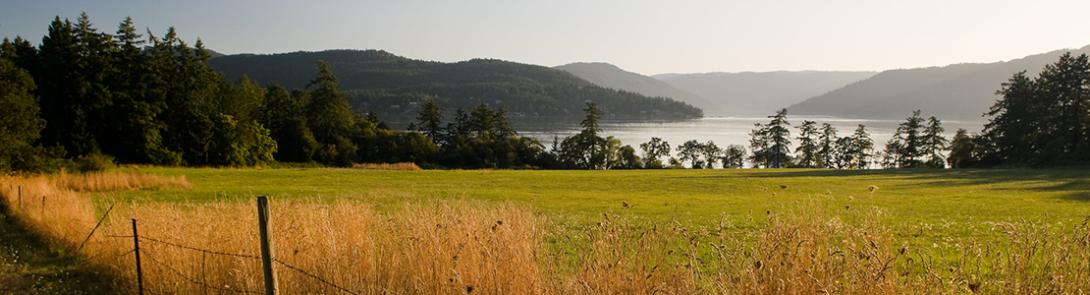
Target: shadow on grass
1072 183
29 266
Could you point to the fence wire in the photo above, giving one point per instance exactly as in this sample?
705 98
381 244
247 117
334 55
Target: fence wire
291 267
194 281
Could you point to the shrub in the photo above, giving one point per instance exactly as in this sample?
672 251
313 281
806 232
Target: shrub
94 162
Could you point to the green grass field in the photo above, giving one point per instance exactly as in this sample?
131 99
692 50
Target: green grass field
915 202
942 219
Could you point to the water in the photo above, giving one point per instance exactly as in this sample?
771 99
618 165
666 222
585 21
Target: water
725 131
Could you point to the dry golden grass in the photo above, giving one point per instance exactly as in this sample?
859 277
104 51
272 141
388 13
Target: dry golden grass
460 248
110 181
410 166
441 249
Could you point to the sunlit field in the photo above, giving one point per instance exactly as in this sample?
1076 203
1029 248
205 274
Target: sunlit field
907 197
365 231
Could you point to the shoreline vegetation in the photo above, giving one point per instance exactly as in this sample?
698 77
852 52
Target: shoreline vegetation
458 247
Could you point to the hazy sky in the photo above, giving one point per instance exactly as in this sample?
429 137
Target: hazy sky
649 37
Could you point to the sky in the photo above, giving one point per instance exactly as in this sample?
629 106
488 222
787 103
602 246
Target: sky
648 37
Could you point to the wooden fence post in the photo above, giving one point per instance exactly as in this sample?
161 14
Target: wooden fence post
266 245
136 251
20 194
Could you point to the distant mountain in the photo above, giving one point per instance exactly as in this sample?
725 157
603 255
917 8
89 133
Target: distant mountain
758 93
392 86
611 76
958 92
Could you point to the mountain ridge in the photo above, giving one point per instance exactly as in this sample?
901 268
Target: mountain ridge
391 85
611 76
960 91
759 93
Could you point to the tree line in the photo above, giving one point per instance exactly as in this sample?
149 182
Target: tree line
1038 121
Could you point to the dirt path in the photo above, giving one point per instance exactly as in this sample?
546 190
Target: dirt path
28 266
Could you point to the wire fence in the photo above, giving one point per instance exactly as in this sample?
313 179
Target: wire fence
143 252
179 273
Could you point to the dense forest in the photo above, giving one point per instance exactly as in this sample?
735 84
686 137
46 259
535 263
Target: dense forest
83 98
393 87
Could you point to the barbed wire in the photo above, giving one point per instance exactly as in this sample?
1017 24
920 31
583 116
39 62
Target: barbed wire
191 248
194 281
213 252
314 276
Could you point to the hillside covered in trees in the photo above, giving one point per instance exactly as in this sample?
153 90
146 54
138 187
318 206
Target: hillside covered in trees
392 86
958 92
608 75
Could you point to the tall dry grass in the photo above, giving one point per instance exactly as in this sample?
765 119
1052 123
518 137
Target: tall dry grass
462 248
440 249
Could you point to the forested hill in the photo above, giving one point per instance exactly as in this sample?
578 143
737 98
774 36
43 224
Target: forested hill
393 86
611 76
959 91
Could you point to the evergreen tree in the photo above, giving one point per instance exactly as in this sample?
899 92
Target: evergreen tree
759 142
138 124
1015 123
429 120
826 154
911 148
283 115
892 155
502 126
808 149
59 82
460 127
482 120
94 97
860 148
1064 95
586 150
191 91
934 143
591 119
779 138
330 119
21 53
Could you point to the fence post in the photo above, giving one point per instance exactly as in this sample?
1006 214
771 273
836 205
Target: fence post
41 215
266 245
136 251
20 197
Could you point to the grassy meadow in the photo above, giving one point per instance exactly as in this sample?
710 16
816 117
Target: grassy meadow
771 231
964 198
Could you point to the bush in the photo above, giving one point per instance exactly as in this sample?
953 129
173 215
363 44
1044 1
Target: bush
94 162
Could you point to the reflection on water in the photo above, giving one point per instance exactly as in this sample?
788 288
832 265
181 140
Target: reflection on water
722 130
